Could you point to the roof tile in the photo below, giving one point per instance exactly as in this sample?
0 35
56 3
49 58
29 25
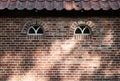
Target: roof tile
60 4
119 3
104 5
95 5
77 5
39 5
3 4
49 5
12 5
22 0
21 5
13 0
30 5
86 5
4 0
114 5
68 5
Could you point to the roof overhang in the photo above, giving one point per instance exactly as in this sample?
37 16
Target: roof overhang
60 4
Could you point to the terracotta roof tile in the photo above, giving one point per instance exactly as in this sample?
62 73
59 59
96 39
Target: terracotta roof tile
95 5
60 4
104 5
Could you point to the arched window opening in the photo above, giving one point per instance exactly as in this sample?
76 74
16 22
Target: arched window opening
83 30
40 31
87 31
35 30
78 31
31 30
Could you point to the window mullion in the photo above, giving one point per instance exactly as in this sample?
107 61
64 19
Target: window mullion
84 30
81 30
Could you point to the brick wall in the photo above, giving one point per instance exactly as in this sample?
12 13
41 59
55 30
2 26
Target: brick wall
58 55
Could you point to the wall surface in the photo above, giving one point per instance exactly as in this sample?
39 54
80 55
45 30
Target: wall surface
59 55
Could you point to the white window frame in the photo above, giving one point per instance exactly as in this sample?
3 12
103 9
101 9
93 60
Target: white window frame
35 30
82 31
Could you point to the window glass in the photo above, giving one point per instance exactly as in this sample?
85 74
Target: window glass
78 31
40 31
31 31
35 30
83 30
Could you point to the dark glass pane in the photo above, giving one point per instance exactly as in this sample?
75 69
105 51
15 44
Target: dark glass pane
78 31
31 31
40 31
87 30
82 27
36 27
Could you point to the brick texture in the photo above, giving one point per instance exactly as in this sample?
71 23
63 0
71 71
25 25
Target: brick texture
59 55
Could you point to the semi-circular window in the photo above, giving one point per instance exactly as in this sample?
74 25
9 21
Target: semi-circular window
83 30
35 30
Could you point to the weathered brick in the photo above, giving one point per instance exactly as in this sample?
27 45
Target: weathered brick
59 55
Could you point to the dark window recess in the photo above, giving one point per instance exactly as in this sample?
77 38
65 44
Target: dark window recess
31 31
36 27
78 31
83 30
35 30
87 31
82 27
40 31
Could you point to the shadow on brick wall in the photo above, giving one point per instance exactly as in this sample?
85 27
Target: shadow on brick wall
68 61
